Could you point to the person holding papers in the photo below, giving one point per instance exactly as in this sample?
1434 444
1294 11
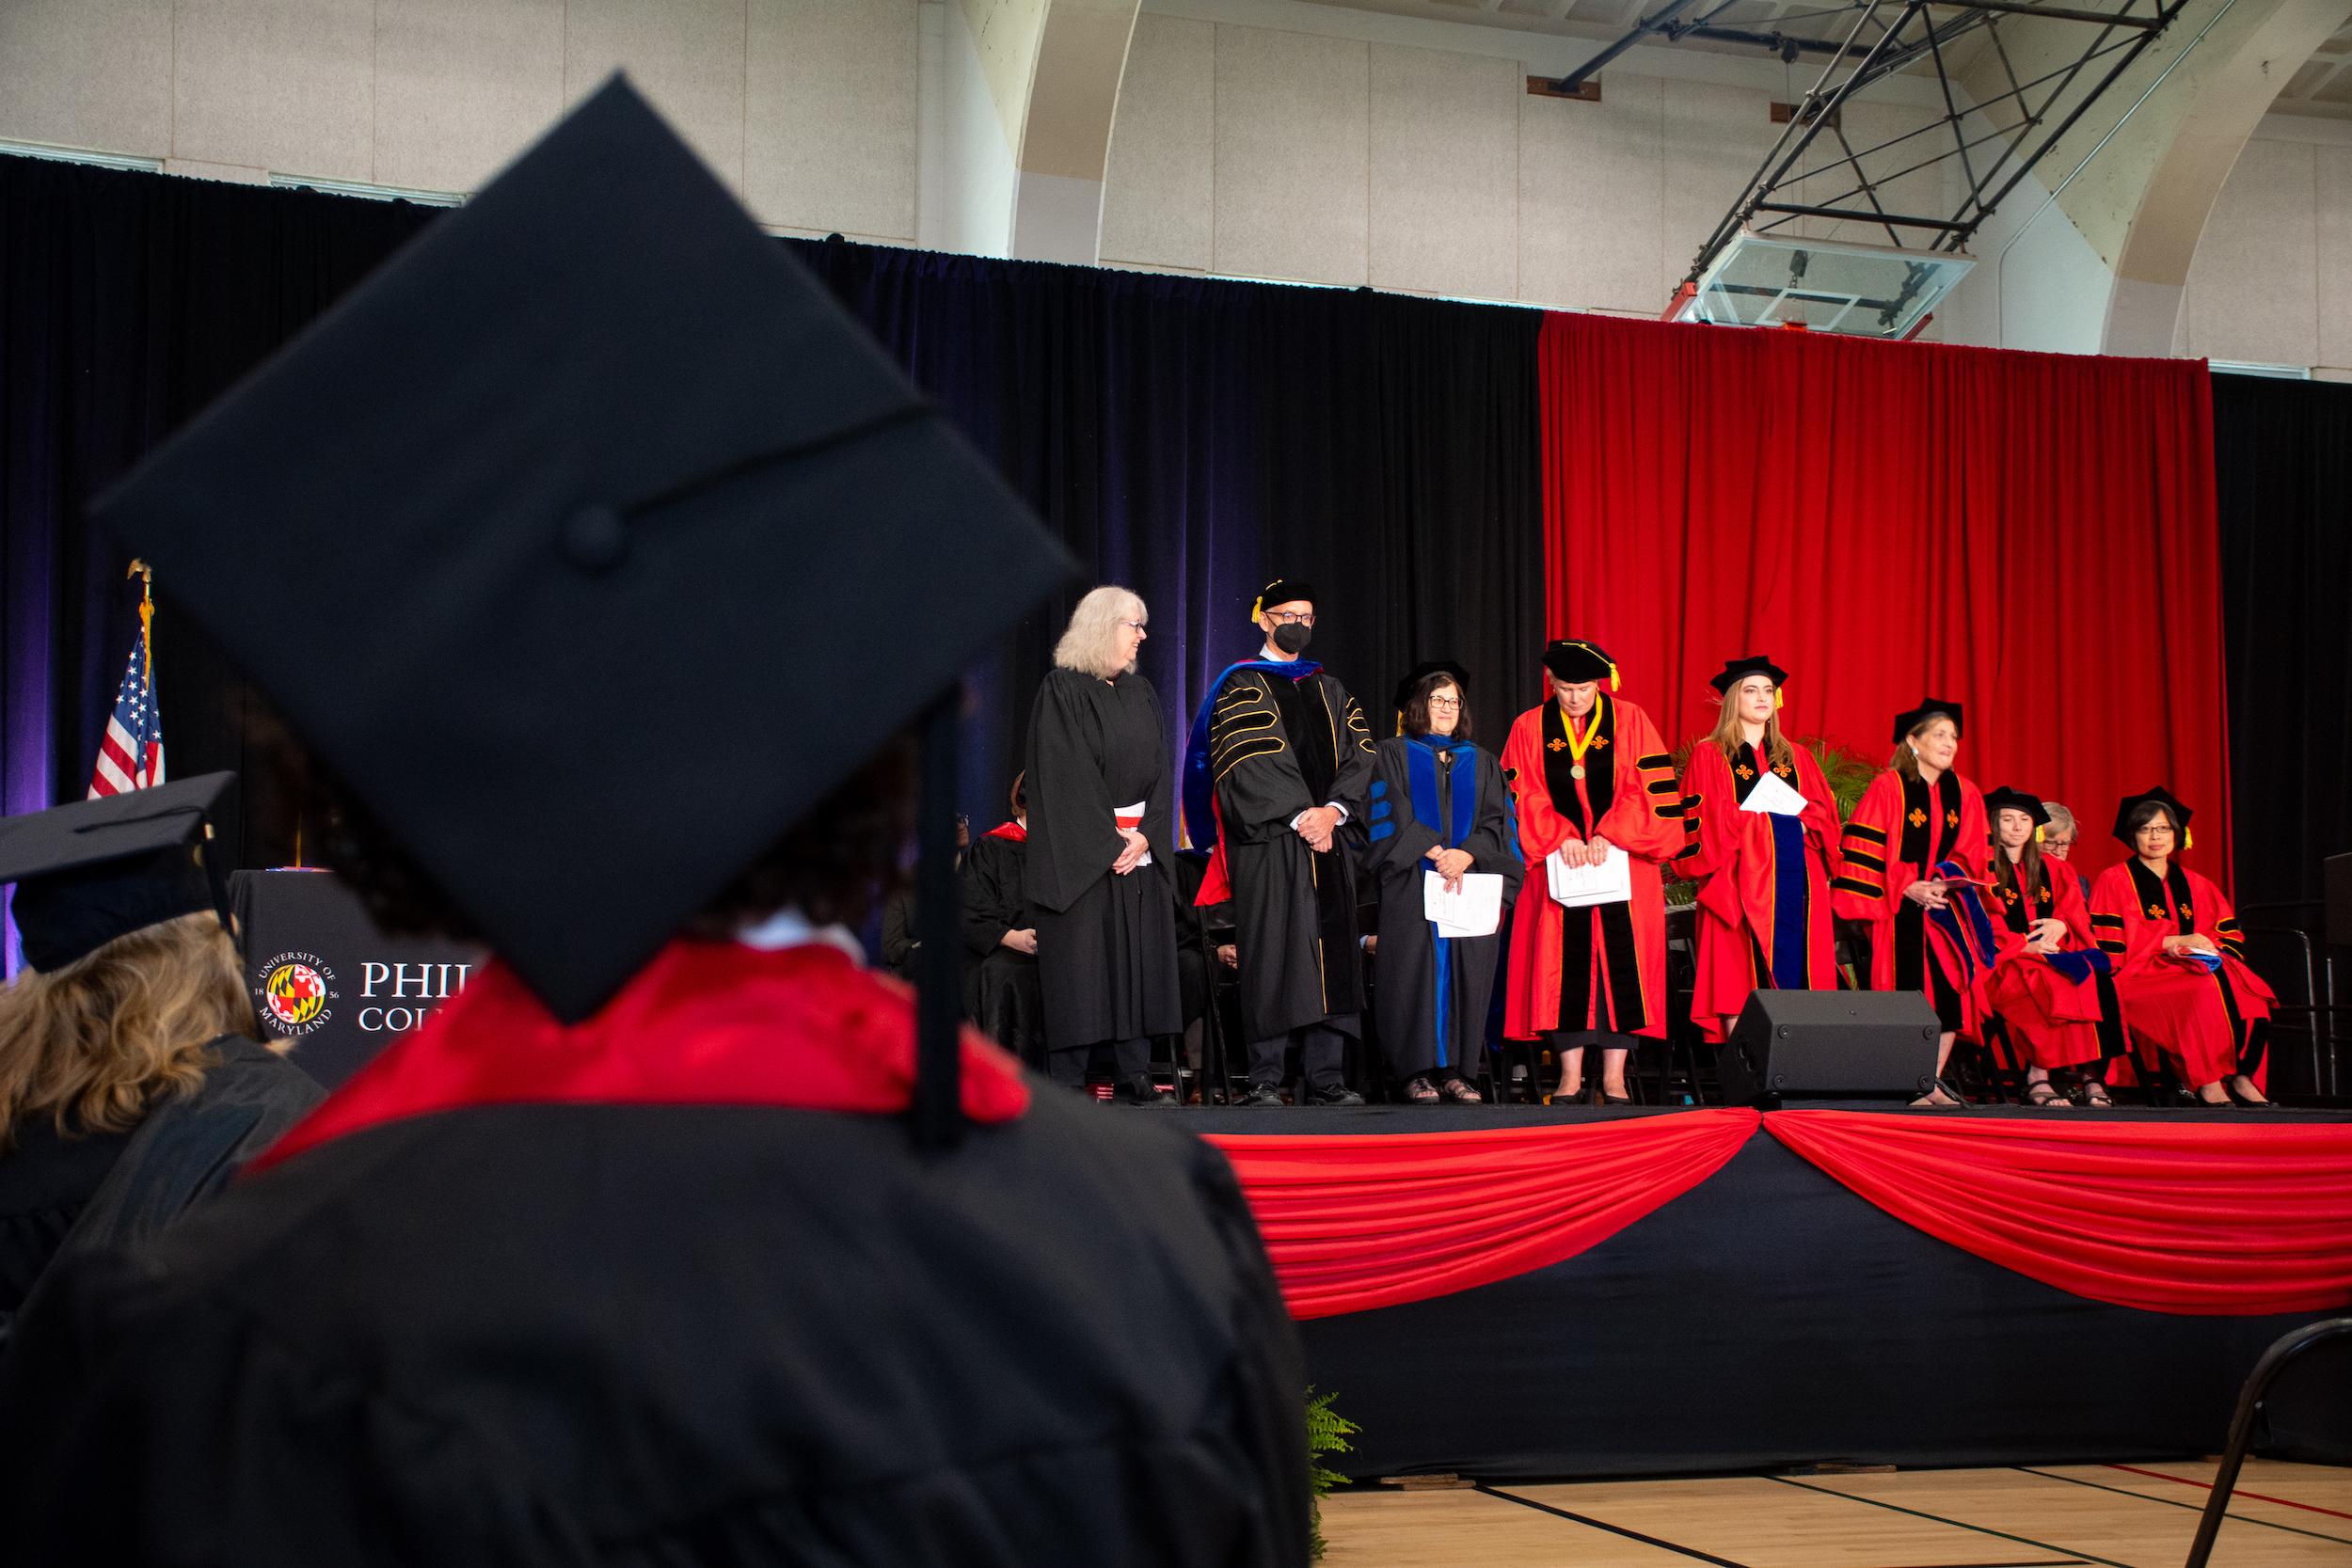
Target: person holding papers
1444 860
1917 850
1598 812
1101 849
2179 956
1760 840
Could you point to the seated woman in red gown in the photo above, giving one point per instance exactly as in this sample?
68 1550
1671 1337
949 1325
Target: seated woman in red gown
1764 876
2051 986
2180 963
1916 819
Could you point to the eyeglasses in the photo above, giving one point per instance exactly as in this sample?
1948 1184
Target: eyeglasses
1136 626
1285 617
1445 702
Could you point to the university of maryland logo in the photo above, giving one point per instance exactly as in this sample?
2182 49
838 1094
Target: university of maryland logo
1917 818
295 994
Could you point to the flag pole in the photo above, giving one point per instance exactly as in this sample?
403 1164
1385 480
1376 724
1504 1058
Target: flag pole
146 575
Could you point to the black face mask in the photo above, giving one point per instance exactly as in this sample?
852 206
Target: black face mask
1291 637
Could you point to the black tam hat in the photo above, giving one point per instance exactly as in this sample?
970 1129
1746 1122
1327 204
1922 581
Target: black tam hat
94 870
1575 660
2005 799
1737 669
1281 591
2157 796
1911 719
570 485
1423 670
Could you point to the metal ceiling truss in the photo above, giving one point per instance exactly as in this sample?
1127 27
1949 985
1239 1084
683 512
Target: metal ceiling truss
1845 184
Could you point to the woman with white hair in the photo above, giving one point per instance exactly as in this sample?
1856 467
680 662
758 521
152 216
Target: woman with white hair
1102 851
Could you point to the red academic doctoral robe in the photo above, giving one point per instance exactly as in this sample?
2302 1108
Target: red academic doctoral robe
1764 883
1605 967
2052 1022
2205 1017
1901 829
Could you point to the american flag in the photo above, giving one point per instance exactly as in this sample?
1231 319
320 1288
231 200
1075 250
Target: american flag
131 756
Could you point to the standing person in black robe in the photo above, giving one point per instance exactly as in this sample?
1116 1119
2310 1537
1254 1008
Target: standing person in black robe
132 1085
1439 808
1000 993
1103 849
1279 767
630 1255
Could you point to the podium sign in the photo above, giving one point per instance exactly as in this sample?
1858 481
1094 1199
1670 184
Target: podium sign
324 977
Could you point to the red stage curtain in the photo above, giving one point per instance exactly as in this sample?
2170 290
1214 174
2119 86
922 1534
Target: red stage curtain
1357 1222
2184 1217
2030 535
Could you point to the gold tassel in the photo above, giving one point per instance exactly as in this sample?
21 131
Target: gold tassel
1257 607
1612 677
2189 838
1776 697
2037 832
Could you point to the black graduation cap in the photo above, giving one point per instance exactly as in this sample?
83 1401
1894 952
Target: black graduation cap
1421 672
2157 796
1281 591
1910 719
1735 670
1575 660
1996 801
94 870
597 544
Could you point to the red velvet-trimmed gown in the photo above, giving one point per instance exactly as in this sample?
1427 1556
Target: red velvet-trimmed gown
1901 831
2214 1020
1764 883
2052 1019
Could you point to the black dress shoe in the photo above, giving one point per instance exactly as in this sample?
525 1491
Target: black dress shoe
1337 1094
1261 1094
1144 1094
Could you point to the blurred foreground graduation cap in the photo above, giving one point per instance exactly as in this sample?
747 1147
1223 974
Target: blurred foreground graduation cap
592 544
93 870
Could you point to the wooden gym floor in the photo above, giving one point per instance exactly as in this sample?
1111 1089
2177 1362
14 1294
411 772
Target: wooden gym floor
2141 1515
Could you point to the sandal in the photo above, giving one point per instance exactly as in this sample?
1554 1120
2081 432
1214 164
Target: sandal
2047 1096
1461 1091
1421 1092
2092 1095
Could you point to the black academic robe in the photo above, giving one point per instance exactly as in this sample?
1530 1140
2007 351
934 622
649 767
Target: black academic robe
112 1189
1106 944
1001 993
1276 748
1432 992
670 1334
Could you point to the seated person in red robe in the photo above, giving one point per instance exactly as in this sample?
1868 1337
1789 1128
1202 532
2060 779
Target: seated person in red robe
2052 989
2180 963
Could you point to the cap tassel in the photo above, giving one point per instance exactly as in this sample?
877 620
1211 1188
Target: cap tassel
2037 832
1612 677
1257 607
2189 838
1775 699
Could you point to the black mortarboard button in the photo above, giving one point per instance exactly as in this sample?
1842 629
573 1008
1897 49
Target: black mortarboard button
1910 719
1997 800
1748 664
1575 660
2157 796
587 491
595 538
94 870
1424 671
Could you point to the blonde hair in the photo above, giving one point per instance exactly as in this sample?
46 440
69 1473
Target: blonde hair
1727 737
99 1044
1089 645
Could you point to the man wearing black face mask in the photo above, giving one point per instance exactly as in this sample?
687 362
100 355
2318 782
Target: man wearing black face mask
1279 764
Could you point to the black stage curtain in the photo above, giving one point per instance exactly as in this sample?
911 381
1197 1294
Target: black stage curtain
1184 436
1771 1317
2282 470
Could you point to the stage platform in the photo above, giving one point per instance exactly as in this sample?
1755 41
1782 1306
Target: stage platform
1596 1292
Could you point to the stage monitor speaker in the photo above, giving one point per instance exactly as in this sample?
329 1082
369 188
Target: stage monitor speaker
1830 1045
